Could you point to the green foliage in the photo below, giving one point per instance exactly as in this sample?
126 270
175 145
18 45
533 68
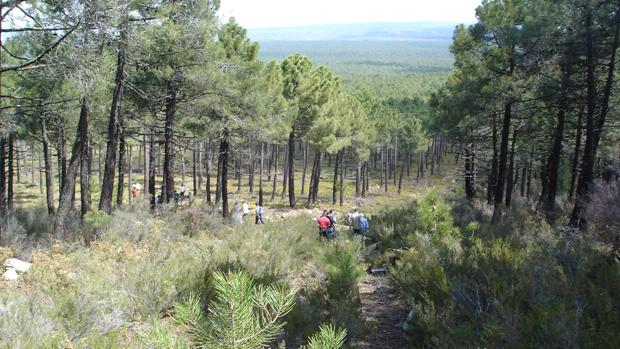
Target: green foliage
242 315
328 337
525 289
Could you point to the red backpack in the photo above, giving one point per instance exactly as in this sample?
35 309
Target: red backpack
324 222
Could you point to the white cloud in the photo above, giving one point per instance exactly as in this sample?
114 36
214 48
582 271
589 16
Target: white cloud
286 13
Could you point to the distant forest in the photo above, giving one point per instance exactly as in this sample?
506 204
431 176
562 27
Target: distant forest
389 68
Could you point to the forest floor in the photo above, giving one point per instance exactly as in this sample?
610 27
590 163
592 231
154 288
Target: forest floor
383 312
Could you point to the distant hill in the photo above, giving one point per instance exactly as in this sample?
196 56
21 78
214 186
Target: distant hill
358 32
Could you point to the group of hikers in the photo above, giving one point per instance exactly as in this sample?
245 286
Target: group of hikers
244 209
327 223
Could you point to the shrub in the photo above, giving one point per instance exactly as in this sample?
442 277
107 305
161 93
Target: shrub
328 337
243 314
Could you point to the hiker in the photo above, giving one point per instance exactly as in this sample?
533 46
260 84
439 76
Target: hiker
236 213
364 224
158 200
246 211
331 232
182 191
259 214
324 223
177 197
356 222
134 190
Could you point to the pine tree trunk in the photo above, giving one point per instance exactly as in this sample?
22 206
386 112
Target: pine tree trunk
152 168
287 149
492 181
523 179
122 152
385 170
575 166
358 177
343 170
85 165
194 164
509 183
66 195
147 165
400 178
32 167
274 153
470 171
9 185
556 149
224 153
107 185
171 106
208 170
335 184
303 176
291 170
49 175
62 155
129 173
218 182
251 165
3 159
594 127
503 159
312 180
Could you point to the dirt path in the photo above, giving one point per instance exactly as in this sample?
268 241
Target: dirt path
383 312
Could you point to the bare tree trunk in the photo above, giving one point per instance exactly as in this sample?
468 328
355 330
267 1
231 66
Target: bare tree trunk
509 183
107 186
3 158
129 172
147 164
385 170
224 153
503 161
285 171
62 155
66 195
470 171
171 106
335 184
49 175
575 166
32 168
85 166
275 171
303 176
342 172
9 186
122 150
218 182
152 168
208 170
400 179
291 170
358 176
194 164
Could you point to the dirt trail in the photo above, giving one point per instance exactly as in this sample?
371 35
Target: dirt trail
383 311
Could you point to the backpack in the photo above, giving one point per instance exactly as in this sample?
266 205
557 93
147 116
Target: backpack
364 223
323 222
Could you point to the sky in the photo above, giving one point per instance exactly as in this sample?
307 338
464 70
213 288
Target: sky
289 13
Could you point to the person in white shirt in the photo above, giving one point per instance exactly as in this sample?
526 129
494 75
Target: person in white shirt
246 211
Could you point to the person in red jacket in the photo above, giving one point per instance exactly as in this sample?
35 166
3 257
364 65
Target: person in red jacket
324 223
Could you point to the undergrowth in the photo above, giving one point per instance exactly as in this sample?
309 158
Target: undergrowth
136 274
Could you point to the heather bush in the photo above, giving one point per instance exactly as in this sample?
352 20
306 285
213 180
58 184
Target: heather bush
517 284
